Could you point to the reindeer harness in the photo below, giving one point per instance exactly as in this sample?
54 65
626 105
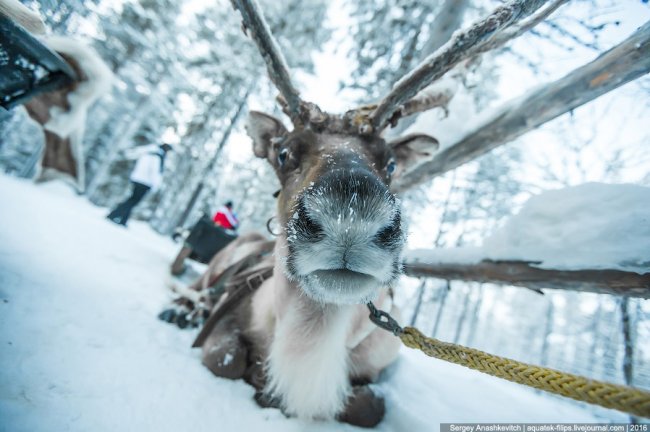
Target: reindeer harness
238 287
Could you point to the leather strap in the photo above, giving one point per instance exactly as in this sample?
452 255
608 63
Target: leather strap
240 287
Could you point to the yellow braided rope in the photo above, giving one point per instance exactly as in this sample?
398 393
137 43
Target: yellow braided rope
628 399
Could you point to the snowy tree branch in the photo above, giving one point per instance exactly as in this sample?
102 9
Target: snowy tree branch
621 64
429 98
255 25
524 274
448 19
519 29
462 46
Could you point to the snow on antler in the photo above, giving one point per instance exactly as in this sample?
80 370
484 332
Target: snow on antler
257 28
464 45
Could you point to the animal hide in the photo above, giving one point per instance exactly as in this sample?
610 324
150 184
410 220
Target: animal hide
62 113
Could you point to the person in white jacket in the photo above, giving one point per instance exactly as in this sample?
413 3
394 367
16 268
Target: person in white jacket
146 176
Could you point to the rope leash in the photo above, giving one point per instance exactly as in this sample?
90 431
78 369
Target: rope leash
623 398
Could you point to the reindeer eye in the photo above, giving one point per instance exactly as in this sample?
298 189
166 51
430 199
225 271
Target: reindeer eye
282 156
390 167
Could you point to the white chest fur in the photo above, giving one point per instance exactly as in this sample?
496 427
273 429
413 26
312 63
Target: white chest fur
308 360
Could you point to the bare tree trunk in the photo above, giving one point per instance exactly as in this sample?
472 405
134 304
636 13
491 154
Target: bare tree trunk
441 308
476 39
548 329
449 19
208 169
628 358
525 274
471 333
612 370
436 243
445 211
597 318
463 316
625 62
628 345
418 302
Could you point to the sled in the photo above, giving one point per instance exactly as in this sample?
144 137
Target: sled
27 67
204 241
57 79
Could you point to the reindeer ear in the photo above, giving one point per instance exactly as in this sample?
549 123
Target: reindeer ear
412 150
262 128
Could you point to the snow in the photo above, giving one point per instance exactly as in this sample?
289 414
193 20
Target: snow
590 226
24 16
82 348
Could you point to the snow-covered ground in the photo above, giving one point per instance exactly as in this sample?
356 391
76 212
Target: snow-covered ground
590 226
82 350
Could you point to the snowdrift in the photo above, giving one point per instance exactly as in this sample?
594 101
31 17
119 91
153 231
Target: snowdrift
590 226
82 348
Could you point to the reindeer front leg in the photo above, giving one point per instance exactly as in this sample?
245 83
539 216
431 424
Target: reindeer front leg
365 407
224 351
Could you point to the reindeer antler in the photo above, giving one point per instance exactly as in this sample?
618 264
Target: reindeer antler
429 98
482 36
256 27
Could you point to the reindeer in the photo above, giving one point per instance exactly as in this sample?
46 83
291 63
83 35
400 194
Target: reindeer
340 248
303 339
61 110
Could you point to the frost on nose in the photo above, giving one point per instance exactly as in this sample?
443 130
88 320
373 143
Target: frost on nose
344 238
303 225
348 208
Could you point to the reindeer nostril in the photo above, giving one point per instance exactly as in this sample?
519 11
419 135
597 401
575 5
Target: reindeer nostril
305 226
391 235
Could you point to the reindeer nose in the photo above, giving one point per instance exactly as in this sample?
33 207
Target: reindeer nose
349 207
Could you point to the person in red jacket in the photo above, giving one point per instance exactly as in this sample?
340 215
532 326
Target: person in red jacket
225 217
